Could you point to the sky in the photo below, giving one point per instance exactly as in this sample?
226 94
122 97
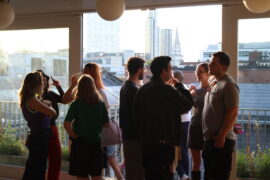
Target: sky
41 40
198 27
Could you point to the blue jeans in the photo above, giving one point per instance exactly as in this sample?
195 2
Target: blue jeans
183 164
37 143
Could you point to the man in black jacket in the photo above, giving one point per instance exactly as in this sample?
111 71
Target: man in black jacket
157 112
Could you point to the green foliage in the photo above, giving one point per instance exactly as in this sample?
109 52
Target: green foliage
253 164
242 165
65 153
263 165
9 145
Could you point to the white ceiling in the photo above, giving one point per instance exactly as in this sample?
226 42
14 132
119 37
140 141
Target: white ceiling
32 7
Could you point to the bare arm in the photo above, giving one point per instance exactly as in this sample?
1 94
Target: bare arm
68 127
229 121
70 93
37 105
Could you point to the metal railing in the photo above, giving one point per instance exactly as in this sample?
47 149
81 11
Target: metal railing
11 117
256 123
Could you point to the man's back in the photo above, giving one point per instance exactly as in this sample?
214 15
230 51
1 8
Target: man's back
158 108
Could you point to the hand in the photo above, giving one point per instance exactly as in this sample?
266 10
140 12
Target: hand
192 87
173 81
55 82
173 167
74 79
47 103
192 92
219 141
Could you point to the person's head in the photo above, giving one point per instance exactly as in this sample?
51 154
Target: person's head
32 86
87 90
93 70
178 75
202 72
161 68
219 63
135 66
46 80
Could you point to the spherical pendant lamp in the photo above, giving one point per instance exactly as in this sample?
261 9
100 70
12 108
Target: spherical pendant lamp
257 6
110 10
7 14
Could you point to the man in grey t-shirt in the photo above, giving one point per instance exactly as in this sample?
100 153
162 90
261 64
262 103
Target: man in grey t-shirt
219 115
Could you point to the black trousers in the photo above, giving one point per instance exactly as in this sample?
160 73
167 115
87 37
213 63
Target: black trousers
217 161
157 159
37 144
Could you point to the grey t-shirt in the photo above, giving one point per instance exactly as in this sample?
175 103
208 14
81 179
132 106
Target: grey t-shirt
223 95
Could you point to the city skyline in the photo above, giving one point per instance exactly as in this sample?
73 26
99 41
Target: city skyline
196 32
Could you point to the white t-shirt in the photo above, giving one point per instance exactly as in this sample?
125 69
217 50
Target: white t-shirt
105 99
186 117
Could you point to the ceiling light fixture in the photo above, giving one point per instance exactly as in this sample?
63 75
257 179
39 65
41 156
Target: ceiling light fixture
7 14
110 10
257 6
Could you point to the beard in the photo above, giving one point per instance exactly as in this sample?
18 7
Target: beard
141 76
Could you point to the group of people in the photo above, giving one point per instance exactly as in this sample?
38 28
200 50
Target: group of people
85 118
155 139
158 127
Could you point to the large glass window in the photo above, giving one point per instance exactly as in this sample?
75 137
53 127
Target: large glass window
188 34
254 114
21 52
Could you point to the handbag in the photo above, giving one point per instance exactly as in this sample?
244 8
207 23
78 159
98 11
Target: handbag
112 134
237 128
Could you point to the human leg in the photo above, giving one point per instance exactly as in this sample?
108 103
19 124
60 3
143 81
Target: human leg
37 158
133 160
183 164
54 155
157 160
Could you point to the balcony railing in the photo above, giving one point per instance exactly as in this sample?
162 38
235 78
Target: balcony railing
11 117
256 123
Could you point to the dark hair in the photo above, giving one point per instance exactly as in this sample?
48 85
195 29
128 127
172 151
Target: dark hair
204 66
43 74
223 58
134 64
159 64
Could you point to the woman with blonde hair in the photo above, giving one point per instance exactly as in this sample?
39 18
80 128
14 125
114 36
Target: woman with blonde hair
38 114
84 121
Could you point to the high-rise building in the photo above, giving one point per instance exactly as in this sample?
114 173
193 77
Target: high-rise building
177 56
100 35
166 42
151 36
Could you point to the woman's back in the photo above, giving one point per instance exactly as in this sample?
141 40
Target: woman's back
88 119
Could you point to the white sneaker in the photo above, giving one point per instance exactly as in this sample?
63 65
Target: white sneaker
185 177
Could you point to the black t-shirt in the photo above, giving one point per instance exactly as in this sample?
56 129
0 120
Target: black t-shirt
127 95
55 99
